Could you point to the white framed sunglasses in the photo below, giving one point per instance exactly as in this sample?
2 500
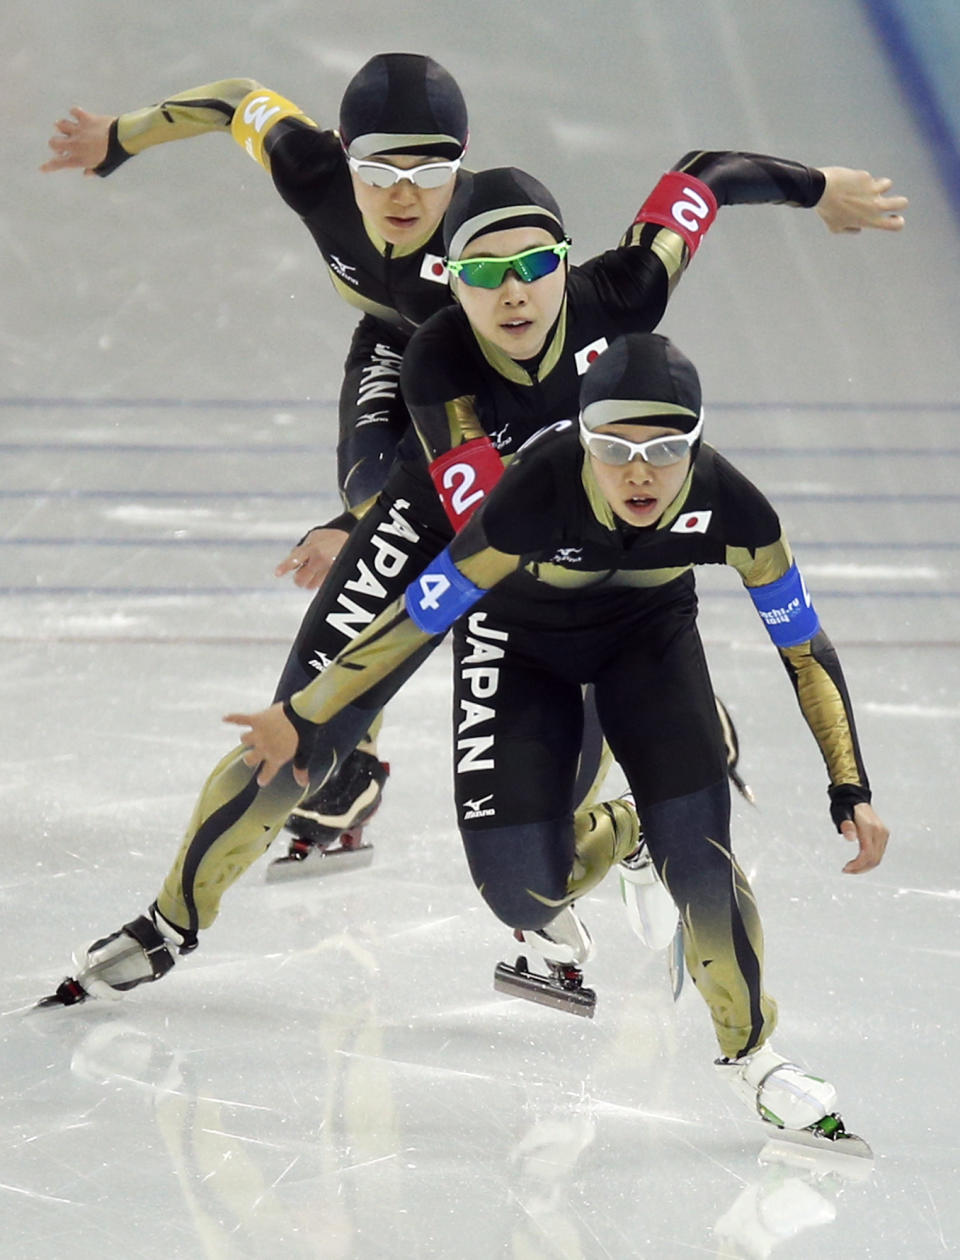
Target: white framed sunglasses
661 452
383 175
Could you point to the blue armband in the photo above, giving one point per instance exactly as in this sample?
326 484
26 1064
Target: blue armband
440 595
786 610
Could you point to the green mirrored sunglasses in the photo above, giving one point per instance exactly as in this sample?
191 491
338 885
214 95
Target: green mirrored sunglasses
490 273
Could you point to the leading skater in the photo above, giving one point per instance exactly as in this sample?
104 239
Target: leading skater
577 569
520 369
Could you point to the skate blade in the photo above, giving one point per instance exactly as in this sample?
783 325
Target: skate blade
846 1154
69 993
320 862
675 963
534 988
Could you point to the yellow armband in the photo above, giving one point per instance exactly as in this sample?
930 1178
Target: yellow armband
257 113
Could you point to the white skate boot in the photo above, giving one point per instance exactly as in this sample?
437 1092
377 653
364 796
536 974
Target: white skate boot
565 939
562 946
141 951
777 1090
794 1101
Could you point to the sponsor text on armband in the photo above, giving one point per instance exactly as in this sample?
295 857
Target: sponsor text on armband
440 595
786 609
682 203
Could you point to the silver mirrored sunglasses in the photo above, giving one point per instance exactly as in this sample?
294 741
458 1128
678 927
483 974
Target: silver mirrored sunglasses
383 175
661 452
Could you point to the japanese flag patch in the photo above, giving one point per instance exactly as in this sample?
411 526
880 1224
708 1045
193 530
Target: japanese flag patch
583 358
432 268
691 523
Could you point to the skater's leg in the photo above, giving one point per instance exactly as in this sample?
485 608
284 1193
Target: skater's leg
234 821
723 938
657 706
518 738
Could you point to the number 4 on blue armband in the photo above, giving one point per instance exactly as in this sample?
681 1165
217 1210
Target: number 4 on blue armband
440 595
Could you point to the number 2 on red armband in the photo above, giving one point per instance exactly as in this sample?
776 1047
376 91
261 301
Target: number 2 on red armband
682 203
464 476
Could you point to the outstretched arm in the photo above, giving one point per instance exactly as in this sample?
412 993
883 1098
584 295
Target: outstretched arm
686 199
98 143
778 592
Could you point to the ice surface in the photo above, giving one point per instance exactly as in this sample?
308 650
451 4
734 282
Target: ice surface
331 1074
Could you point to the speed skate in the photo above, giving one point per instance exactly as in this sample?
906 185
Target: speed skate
562 945
786 1097
348 852
328 826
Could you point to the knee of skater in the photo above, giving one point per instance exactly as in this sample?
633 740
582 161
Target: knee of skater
522 870
517 907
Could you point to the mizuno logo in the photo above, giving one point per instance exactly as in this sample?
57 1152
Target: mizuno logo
473 806
343 269
568 555
373 417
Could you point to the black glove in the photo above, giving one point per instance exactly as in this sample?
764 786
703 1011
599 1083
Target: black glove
843 798
306 736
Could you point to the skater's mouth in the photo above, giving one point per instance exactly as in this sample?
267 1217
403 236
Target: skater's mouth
641 506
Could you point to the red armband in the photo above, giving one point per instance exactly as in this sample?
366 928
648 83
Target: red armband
682 203
465 476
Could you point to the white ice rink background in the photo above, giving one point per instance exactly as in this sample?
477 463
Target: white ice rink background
331 1074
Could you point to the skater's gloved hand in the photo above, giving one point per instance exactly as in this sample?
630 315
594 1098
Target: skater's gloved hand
273 740
79 141
868 831
853 200
310 560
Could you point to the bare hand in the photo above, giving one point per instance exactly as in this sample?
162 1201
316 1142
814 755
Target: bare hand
854 199
79 141
868 831
310 561
272 740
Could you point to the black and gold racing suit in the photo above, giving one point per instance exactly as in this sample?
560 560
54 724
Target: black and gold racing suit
578 597
396 287
457 387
